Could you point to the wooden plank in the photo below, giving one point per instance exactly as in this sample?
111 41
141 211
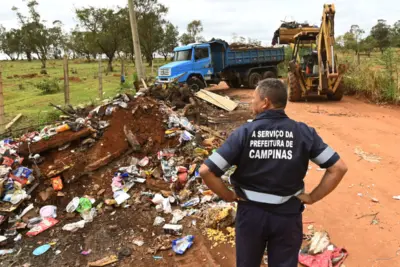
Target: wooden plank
217 100
13 121
144 84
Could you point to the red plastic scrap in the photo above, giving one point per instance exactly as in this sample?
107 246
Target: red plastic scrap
324 259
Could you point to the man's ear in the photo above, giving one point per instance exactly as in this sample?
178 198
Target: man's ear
266 103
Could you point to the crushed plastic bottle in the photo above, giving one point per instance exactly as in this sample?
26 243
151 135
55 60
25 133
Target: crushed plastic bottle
179 246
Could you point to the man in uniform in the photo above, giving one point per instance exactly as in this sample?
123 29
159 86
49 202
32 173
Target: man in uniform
272 154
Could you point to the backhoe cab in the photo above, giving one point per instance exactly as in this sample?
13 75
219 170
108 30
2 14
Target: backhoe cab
313 69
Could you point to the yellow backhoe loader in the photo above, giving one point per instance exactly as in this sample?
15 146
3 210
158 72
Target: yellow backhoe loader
313 69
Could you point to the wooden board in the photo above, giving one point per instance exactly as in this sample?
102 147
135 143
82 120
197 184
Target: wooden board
217 100
13 121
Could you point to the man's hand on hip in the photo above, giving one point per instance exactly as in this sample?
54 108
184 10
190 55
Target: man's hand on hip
305 198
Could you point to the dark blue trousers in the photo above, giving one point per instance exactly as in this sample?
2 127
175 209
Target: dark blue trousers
257 229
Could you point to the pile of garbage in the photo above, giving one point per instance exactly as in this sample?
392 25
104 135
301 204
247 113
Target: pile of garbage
162 150
320 252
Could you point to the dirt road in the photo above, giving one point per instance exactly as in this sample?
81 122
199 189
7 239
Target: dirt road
346 213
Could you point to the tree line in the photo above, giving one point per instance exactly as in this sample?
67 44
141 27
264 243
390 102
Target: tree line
99 31
380 37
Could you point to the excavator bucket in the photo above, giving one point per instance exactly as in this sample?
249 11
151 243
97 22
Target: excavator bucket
286 33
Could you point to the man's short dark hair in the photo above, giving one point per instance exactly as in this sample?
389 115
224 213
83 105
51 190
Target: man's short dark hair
274 90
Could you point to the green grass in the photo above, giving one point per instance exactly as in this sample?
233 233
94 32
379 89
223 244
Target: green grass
21 96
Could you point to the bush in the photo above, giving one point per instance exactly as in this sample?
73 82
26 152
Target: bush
48 86
376 80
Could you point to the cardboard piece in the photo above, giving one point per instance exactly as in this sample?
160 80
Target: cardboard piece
217 100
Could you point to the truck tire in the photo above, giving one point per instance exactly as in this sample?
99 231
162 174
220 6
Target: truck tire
233 83
338 95
195 84
254 79
268 74
294 90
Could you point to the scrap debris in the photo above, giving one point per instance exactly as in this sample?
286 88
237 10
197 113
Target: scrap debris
161 150
367 156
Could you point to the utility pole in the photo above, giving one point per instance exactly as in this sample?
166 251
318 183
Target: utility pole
66 80
100 79
136 43
2 120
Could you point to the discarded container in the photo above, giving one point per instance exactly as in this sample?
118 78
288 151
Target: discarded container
42 226
57 183
73 205
86 252
84 204
88 215
191 203
157 199
179 246
33 221
72 227
173 229
185 136
48 211
144 161
120 196
63 128
41 250
6 251
177 216
158 221
23 172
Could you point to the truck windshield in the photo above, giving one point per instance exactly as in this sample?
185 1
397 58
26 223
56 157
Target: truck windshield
183 55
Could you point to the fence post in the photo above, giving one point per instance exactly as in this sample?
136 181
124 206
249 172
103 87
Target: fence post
2 120
66 80
100 80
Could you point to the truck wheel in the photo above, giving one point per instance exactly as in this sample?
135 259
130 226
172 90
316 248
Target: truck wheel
254 79
195 84
338 95
233 83
294 90
268 74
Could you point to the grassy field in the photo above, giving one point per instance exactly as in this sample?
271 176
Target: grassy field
21 95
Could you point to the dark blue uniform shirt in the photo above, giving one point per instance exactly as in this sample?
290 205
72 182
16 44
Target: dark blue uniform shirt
272 154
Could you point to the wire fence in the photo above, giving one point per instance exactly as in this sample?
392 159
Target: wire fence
22 93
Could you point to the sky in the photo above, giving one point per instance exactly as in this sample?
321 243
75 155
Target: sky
256 19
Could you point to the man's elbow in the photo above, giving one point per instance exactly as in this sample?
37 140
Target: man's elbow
340 168
204 171
343 167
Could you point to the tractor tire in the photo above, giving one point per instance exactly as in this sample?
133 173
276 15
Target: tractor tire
268 74
195 84
338 95
233 83
294 90
254 79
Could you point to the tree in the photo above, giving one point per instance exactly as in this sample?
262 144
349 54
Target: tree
150 24
357 32
367 45
83 44
170 40
395 34
381 33
37 37
109 28
10 43
193 29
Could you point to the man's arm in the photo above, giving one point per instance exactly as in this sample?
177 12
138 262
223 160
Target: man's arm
324 156
329 182
219 162
216 184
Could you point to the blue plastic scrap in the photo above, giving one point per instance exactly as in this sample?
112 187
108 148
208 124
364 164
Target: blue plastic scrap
179 246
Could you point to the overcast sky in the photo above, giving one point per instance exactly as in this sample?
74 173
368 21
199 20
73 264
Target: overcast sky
221 18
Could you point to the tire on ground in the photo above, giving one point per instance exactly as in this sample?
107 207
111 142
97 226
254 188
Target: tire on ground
294 90
268 74
195 84
338 95
254 79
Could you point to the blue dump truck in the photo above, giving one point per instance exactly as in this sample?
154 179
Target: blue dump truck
199 65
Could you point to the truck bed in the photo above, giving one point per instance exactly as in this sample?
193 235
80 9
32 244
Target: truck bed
255 56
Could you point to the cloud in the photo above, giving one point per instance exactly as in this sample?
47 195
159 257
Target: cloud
221 18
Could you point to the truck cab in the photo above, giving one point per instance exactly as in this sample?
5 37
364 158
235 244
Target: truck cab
192 64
